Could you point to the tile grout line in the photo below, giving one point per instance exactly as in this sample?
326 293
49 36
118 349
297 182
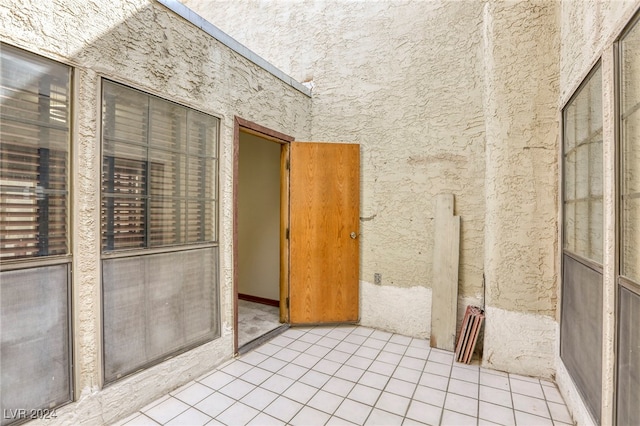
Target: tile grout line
347 335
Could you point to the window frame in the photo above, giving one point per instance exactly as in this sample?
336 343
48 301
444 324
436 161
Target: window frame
149 251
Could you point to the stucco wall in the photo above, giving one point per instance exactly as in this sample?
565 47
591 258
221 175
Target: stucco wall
522 131
405 80
445 97
143 44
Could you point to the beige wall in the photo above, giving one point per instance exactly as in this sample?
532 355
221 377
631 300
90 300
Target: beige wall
145 45
522 138
405 80
259 217
444 97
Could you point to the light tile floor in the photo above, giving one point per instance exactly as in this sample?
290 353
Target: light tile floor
355 375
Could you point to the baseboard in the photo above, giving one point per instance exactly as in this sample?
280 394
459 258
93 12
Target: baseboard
256 299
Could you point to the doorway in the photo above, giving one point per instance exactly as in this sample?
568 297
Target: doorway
260 247
302 257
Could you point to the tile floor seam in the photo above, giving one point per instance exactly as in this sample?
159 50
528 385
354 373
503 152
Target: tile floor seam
392 380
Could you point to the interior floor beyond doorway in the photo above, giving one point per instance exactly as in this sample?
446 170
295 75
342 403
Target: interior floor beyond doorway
255 320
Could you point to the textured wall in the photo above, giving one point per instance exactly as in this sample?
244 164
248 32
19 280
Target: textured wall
405 80
143 44
587 27
521 187
522 143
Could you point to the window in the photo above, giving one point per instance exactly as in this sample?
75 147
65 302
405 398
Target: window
628 383
159 243
34 256
581 314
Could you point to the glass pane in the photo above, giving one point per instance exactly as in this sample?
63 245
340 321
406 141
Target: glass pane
570 224
18 224
595 169
168 125
33 88
630 66
166 174
570 176
631 154
200 222
582 227
596 244
203 134
125 114
123 223
200 178
35 370
167 221
124 151
631 238
570 127
583 171
630 91
34 155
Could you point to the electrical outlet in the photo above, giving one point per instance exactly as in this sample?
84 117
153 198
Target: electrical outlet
377 279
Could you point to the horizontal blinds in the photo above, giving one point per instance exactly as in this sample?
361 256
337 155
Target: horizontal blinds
34 141
159 171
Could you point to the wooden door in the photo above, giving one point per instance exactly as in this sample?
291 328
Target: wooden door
324 232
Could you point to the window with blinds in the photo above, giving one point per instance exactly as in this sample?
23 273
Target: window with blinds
158 172
35 308
34 153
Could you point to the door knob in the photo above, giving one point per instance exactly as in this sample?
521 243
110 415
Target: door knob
353 235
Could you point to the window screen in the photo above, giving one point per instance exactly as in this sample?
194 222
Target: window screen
628 394
35 357
159 173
